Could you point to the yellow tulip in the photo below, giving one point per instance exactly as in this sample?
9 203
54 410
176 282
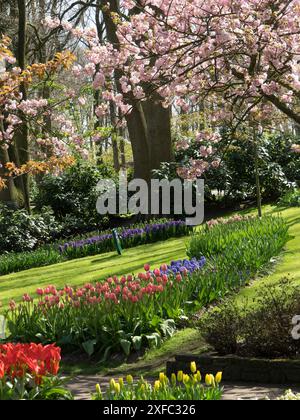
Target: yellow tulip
157 385
129 379
173 379
98 389
186 379
208 380
180 376
162 377
213 383
193 367
199 377
117 388
218 377
112 384
121 382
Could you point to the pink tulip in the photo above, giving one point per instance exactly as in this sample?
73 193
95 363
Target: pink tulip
178 278
164 267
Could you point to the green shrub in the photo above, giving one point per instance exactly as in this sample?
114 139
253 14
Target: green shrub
72 196
290 199
20 231
279 167
262 328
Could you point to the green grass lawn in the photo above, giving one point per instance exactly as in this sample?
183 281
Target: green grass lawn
90 269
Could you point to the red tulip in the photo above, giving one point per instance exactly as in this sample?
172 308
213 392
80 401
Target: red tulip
39 292
2 370
12 305
27 298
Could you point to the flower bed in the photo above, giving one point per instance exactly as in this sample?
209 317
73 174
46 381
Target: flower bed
132 237
235 253
180 386
122 313
264 234
29 371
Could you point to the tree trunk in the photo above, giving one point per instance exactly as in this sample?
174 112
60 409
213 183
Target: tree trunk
159 133
21 138
8 195
114 137
122 150
257 180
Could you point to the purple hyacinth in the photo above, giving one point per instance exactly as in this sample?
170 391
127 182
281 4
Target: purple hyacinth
132 233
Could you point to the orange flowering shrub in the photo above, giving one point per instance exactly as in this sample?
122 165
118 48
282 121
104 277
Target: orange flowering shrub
20 111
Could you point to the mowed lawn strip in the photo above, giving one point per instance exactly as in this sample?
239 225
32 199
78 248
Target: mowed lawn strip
90 269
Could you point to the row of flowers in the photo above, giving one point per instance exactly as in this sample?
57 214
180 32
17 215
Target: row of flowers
131 237
117 289
228 220
122 313
181 386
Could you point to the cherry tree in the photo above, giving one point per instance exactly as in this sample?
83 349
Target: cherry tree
240 57
50 150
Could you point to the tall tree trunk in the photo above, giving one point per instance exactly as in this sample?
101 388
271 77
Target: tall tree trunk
257 178
8 195
137 129
21 138
159 132
114 137
122 149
